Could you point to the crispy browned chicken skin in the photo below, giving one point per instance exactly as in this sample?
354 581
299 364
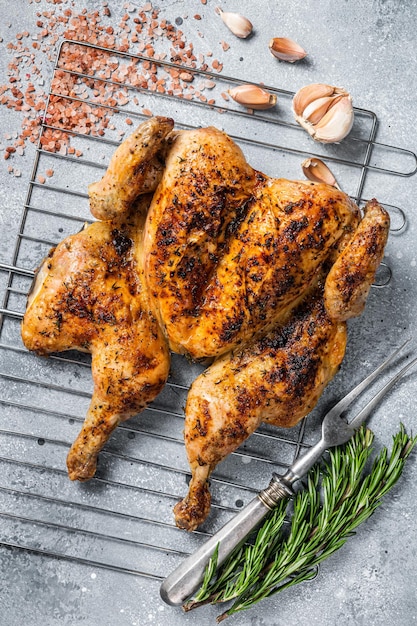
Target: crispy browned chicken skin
276 379
136 167
258 273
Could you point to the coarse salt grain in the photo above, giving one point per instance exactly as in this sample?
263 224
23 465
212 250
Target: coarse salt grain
85 114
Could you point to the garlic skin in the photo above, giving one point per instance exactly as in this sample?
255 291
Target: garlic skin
239 25
325 112
286 49
253 96
317 171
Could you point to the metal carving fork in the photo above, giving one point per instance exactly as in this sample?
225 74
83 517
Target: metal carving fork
184 581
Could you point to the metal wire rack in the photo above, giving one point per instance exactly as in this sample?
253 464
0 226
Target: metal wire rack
122 519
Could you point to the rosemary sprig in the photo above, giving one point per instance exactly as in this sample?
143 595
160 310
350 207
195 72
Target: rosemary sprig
339 495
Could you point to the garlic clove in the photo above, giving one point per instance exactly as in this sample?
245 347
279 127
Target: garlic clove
308 94
337 123
325 112
253 96
316 170
286 49
316 109
236 23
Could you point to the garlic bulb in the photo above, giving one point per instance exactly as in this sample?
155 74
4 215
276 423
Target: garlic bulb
236 23
314 169
324 111
285 49
253 96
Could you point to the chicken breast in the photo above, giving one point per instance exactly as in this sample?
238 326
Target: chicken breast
229 250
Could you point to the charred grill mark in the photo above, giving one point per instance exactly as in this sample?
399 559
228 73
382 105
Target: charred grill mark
122 244
309 316
374 240
350 282
141 167
238 217
78 299
192 270
104 316
166 238
200 428
315 241
302 371
273 342
231 327
236 431
285 282
186 266
301 358
201 425
143 362
304 204
247 401
293 229
289 208
201 221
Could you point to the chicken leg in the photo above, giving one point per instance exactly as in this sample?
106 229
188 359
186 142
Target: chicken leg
90 295
276 379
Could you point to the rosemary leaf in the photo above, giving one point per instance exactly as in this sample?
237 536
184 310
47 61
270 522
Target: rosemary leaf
338 496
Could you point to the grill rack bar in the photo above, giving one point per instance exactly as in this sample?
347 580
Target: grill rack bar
232 80
16 270
123 426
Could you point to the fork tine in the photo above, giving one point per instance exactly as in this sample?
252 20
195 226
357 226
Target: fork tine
368 408
343 404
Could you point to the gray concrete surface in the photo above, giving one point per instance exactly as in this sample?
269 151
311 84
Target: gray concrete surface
369 48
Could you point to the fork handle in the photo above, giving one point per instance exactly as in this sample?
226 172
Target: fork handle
184 581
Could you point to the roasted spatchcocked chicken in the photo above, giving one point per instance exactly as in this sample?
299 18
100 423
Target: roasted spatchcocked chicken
259 274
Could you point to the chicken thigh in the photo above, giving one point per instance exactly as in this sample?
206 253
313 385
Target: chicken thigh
90 295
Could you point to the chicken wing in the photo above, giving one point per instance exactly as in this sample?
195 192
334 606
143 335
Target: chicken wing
90 295
135 167
350 278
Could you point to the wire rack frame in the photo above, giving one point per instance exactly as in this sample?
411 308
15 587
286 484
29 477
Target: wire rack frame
35 493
